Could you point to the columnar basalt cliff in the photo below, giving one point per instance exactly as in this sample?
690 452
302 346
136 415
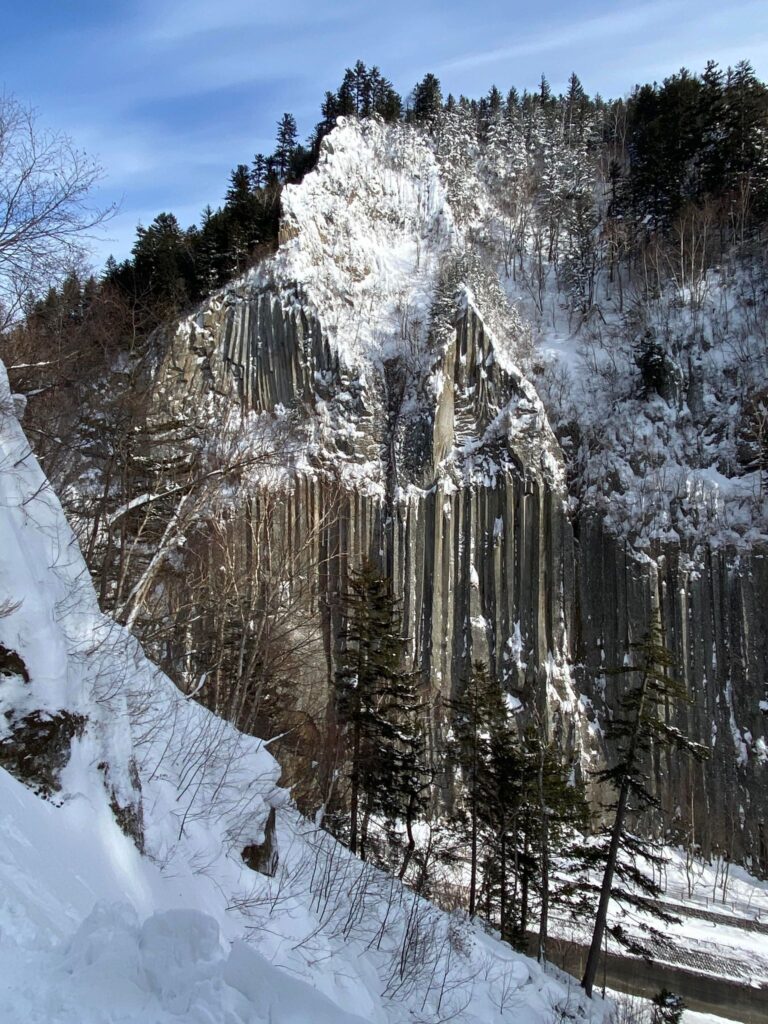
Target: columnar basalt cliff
421 445
463 502
713 616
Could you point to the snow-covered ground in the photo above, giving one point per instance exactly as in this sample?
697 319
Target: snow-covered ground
93 931
692 1017
658 469
722 926
634 1010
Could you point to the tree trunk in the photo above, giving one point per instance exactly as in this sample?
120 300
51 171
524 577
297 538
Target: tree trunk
601 919
544 857
355 790
473 858
364 829
503 882
411 845
524 889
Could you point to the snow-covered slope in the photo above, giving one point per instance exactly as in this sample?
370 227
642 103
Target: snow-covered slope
94 930
664 455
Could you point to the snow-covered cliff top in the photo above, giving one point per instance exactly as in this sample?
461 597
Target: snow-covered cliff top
364 234
372 253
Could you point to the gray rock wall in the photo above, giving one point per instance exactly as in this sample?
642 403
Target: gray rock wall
714 619
485 559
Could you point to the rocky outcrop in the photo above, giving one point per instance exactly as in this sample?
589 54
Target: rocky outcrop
459 493
126 803
36 747
415 440
264 857
461 497
12 664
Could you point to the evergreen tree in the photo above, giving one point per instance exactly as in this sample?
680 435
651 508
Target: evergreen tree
483 751
643 722
427 98
508 811
384 100
361 90
666 141
546 99
519 807
242 216
330 109
746 141
345 98
576 109
272 175
163 266
711 159
211 247
376 705
362 93
537 813
302 161
563 816
287 140
746 106
239 191
259 171
494 101
111 268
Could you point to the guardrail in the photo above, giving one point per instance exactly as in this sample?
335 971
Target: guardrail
737 907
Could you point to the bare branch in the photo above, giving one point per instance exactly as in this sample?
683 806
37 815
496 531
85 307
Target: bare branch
46 219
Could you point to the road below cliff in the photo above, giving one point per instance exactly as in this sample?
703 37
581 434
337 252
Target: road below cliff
706 983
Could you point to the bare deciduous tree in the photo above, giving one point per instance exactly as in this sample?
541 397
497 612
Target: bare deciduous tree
45 212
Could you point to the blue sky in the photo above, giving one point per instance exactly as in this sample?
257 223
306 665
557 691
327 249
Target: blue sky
170 95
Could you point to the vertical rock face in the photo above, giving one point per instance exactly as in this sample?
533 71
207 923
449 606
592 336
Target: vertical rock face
713 615
417 442
460 495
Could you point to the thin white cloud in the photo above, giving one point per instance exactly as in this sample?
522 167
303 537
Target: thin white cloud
726 36
188 88
178 22
589 30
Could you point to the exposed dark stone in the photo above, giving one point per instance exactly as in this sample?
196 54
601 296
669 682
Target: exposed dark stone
263 857
490 564
713 616
129 814
39 748
12 664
